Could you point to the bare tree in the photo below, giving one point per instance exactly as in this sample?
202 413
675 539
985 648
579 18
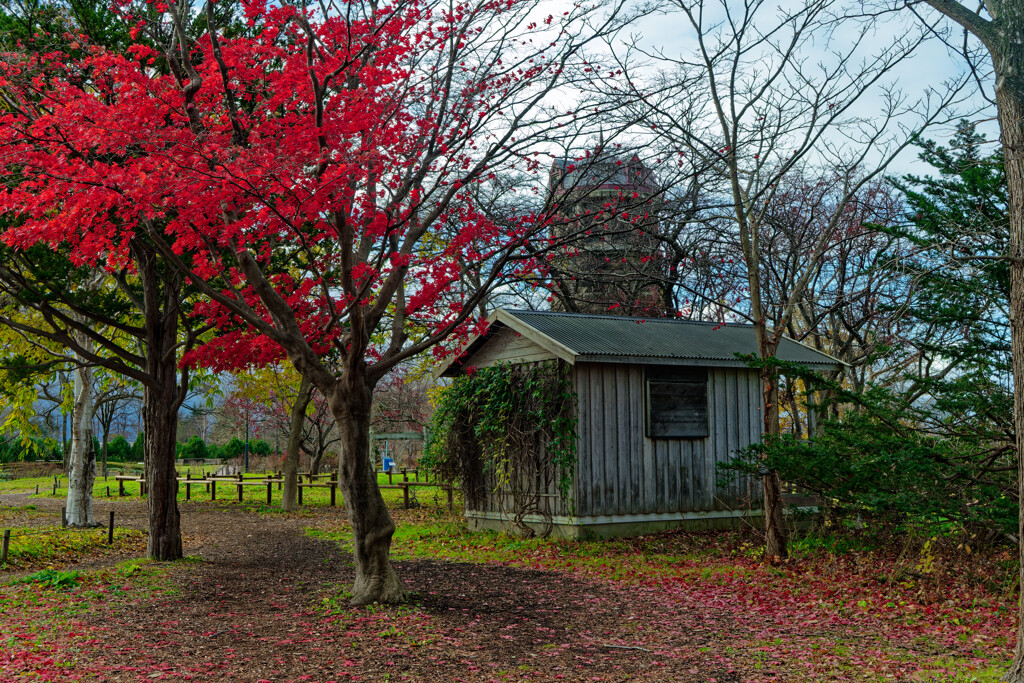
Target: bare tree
753 110
113 398
291 458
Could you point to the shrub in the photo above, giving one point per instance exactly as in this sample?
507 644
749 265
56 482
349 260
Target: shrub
118 449
259 447
878 464
194 449
9 452
233 448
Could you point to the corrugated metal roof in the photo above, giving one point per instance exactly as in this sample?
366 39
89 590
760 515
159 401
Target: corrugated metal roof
662 338
578 337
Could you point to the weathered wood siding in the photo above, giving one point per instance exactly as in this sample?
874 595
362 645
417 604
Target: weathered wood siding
621 472
506 345
538 489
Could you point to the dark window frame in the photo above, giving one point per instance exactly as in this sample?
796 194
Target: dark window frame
676 403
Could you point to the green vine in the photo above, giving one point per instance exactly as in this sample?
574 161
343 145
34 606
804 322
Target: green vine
506 427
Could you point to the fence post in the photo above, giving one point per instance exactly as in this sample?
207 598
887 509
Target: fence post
405 497
239 485
110 529
64 517
299 487
213 489
333 487
5 546
270 487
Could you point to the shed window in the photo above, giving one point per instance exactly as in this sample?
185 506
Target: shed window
677 402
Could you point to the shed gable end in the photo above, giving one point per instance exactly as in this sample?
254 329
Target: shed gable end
508 346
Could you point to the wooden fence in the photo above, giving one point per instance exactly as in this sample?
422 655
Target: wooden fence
328 481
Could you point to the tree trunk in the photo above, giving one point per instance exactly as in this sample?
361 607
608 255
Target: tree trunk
1011 124
160 429
105 448
774 521
64 446
291 458
372 526
776 541
161 401
314 462
82 465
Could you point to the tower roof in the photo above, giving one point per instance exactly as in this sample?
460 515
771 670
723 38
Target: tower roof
602 173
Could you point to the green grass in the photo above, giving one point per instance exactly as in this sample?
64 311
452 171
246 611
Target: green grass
38 545
254 498
613 558
952 665
51 578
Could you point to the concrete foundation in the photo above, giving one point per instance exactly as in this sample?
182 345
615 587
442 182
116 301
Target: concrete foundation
586 528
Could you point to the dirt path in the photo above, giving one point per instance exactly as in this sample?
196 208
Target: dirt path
253 610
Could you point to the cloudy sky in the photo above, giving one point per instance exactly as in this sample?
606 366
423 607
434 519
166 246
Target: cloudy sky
931 65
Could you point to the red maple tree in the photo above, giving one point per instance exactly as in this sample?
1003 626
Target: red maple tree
312 176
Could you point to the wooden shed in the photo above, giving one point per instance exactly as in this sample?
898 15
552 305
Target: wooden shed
659 403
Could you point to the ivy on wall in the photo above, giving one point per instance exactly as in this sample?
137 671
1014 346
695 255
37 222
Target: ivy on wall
511 425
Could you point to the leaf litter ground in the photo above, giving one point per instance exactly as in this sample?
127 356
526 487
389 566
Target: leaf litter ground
266 603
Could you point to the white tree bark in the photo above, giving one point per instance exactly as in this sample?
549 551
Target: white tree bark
82 469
